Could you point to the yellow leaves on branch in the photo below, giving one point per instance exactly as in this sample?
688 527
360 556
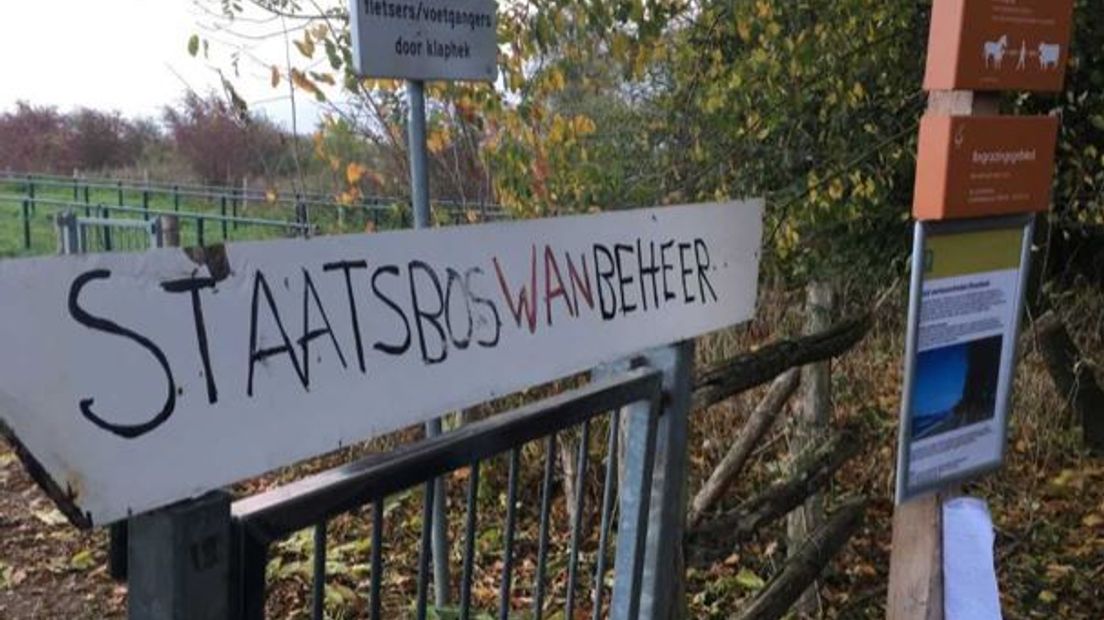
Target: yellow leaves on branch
354 172
306 46
566 130
304 83
438 140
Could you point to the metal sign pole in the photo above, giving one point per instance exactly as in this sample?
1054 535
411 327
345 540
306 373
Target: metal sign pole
419 198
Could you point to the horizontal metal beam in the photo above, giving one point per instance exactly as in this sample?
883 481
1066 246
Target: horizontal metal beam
275 514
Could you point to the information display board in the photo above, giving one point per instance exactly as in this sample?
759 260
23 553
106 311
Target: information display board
999 45
964 317
425 39
974 166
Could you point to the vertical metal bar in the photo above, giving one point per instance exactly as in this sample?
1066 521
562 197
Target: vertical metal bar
375 604
469 542
542 543
424 552
222 209
656 491
145 204
234 206
419 192
176 197
416 140
117 536
511 522
87 194
249 574
318 585
31 192
577 521
635 536
607 510
199 231
107 237
76 188
26 224
912 332
120 185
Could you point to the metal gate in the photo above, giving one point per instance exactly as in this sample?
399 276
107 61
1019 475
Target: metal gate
207 558
81 235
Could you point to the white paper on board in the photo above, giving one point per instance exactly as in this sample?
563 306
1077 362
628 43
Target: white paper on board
970 589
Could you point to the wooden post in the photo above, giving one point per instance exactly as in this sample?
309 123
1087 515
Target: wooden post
170 231
811 427
916 557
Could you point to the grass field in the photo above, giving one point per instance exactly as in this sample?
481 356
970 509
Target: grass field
50 200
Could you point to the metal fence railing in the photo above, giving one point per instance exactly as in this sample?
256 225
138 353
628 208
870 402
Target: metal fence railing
230 205
261 520
195 228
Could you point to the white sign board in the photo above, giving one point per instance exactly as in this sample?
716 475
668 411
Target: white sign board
138 380
968 284
425 39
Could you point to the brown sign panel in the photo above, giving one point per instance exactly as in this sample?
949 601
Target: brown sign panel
998 45
972 166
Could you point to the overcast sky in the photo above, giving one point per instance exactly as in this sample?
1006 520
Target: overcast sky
130 56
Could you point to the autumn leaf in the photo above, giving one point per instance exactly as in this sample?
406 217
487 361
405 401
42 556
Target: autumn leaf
275 79
325 78
304 83
82 560
193 45
354 172
306 46
437 141
750 580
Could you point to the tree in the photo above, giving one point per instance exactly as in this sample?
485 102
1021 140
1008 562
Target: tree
35 139
218 142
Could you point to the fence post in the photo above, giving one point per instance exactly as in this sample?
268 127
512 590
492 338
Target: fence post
199 232
26 224
222 209
145 204
68 242
234 206
108 245
176 197
810 428
170 231
31 191
660 591
179 560
120 186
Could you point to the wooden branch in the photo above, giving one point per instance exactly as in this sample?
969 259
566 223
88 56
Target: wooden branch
760 421
806 565
715 537
748 370
1073 378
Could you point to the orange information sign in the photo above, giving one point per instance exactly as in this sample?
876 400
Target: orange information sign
998 45
973 166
